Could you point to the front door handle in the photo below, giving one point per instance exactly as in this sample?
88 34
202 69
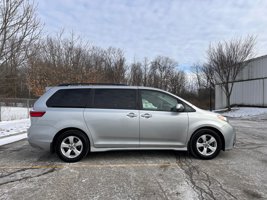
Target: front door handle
131 115
146 115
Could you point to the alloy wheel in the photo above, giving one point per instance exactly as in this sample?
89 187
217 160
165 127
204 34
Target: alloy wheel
71 147
206 145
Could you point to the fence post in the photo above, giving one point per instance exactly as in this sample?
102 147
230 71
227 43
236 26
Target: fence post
263 94
28 106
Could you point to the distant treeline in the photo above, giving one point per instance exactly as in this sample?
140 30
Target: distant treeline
29 62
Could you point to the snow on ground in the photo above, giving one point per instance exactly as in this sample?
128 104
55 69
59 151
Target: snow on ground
12 131
13 113
13 127
245 112
14 124
12 138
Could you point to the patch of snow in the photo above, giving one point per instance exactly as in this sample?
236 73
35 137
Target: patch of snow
225 110
12 138
245 112
13 113
14 127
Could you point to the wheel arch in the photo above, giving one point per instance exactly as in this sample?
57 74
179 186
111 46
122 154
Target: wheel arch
210 128
52 145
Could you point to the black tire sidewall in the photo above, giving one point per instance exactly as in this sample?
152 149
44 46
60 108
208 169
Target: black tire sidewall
75 133
199 133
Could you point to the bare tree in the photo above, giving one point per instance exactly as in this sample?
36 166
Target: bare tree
204 75
71 60
145 69
59 60
205 83
19 30
227 59
161 70
114 66
177 83
136 74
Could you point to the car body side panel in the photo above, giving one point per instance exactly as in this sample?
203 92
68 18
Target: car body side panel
41 136
230 138
112 128
139 148
198 120
163 129
55 120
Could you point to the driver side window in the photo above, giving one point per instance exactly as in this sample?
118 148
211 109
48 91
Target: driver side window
158 101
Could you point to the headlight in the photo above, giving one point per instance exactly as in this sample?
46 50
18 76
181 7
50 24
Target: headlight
222 118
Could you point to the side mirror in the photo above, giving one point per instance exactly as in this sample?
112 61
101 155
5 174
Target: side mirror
179 107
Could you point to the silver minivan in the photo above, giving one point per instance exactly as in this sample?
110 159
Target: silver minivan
72 120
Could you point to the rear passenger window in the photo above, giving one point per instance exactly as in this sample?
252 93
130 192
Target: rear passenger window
69 98
115 99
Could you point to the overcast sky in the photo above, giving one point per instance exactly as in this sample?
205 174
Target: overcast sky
180 29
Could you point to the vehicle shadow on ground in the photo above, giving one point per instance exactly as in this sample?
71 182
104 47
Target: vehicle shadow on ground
125 157
136 154
27 154
22 152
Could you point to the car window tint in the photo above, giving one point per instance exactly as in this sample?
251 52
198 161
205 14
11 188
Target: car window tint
115 98
69 98
154 100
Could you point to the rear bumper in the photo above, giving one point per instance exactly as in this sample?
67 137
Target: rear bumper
41 136
39 144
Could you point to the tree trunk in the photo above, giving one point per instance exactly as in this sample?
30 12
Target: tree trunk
228 102
210 99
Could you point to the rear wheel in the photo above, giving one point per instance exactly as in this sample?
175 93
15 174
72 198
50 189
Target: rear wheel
205 144
72 146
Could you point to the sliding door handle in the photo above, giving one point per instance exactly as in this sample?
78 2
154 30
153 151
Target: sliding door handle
131 115
146 115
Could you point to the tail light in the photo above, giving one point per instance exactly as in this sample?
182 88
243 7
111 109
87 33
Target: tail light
37 113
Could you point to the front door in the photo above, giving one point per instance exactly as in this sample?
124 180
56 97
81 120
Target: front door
160 124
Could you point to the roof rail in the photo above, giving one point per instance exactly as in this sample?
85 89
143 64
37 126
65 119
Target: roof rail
77 84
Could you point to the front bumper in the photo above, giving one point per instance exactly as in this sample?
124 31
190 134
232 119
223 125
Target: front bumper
229 136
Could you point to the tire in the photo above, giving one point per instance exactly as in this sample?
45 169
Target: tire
205 144
72 146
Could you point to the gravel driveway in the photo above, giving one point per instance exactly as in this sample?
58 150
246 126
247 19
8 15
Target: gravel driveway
27 173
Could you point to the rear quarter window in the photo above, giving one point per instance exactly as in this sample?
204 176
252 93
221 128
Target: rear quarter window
69 98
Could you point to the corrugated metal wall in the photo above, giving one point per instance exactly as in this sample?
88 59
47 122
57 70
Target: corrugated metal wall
246 91
257 68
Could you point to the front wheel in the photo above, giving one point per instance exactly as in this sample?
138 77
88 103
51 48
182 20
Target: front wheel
72 146
206 144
